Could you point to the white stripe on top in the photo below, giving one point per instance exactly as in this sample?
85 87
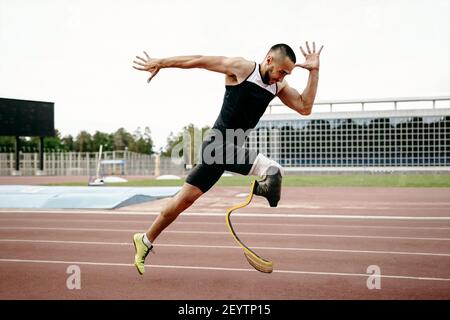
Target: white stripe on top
255 77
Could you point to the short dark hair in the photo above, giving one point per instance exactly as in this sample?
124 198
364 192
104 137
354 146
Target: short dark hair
285 50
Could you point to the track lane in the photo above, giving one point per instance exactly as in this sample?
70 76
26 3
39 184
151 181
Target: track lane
329 257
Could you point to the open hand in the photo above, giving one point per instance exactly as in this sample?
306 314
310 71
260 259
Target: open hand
148 64
312 61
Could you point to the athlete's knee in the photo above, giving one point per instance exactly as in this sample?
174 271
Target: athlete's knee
188 195
177 206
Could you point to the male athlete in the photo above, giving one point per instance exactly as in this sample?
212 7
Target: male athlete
249 88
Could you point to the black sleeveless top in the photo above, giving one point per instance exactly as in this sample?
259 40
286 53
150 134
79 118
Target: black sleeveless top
245 103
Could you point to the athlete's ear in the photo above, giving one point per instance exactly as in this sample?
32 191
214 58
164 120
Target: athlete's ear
269 59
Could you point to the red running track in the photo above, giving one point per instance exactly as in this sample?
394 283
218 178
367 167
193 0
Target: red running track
326 257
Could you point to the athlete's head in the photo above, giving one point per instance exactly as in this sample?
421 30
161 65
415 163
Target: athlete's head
279 62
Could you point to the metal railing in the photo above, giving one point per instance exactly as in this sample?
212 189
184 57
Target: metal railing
85 164
404 137
364 102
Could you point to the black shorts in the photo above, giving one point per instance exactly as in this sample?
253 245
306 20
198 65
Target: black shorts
218 156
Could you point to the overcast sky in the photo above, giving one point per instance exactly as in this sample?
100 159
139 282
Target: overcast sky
79 54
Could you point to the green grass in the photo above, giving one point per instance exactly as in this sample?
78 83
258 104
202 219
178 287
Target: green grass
357 180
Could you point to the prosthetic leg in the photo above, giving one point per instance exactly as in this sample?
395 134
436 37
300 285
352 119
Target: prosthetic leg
270 188
255 260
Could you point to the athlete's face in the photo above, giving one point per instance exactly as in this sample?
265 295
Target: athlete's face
277 68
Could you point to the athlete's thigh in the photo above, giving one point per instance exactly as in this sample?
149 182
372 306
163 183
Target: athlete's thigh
239 159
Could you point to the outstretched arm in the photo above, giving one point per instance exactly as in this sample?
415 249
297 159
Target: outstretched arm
229 66
303 103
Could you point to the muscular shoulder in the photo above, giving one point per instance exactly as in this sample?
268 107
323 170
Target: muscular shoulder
282 85
240 67
240 64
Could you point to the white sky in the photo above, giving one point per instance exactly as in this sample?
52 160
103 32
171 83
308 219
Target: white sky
79 54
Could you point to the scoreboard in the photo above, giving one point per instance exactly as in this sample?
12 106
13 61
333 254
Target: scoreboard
26 118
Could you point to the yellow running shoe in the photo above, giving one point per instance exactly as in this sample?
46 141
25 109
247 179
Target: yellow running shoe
141 252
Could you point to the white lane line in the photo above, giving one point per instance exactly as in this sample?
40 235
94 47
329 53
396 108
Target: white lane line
235 223
236 214
220 232
227 247
220 269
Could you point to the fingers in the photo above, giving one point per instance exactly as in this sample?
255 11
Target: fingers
304 53
146 65
142 69
309 49
142 59
142 63
139 63
140 66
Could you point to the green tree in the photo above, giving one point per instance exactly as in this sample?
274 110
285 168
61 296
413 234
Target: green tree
29 144
104 139
50 143
190 138
122 139
139 141
68 143
172 141
83 142
142 142
7 144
